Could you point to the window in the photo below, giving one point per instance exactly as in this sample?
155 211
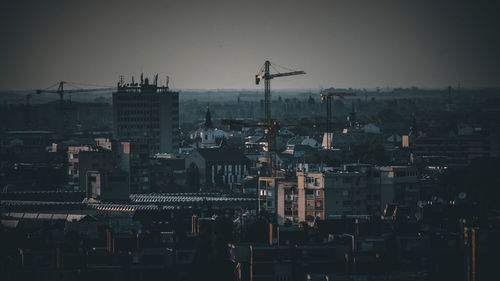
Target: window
319 204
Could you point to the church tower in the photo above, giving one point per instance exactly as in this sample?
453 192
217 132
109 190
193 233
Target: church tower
208 133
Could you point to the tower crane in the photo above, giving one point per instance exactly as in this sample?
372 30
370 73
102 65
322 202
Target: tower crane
60 89
271 125
328 97
63 108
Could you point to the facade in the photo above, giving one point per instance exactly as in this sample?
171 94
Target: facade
342 192
215 168
73 162
268 194
456 150
92 161
288 198
133 158
355 189
110 185
147 113
398 184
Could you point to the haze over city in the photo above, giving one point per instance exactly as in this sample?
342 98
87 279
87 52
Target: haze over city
221 44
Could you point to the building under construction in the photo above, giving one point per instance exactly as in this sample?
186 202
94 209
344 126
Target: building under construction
148 114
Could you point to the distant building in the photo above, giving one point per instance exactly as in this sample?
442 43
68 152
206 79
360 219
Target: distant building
92 161
73 162
210 137
288 198
456 150
147 113
26 146
297 145
398 184
108 185
355 189
216 168
133 158
268 194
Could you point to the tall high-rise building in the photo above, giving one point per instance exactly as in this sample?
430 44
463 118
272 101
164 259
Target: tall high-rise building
148 114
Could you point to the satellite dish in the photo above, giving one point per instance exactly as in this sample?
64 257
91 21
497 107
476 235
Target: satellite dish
462 195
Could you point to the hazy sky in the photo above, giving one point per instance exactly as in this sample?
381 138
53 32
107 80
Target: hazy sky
222 44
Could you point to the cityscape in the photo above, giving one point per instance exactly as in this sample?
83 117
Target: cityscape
203 155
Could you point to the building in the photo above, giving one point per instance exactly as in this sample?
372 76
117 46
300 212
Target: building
108 185
93 161
338 192
354 189
215 168
288 198
268 194
73 162
398 184
456 150
133 158
26 146
147 113
207 134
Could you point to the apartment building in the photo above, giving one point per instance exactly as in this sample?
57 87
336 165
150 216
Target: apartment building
354 189
147 113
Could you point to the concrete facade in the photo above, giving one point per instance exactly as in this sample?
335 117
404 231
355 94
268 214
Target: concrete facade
148 113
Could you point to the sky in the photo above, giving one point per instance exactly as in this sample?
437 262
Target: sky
223 43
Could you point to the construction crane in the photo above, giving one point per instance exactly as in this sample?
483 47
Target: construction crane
63 108
328 97
60 89
271 125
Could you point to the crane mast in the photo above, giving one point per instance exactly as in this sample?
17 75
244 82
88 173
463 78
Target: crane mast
328 97
272 125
